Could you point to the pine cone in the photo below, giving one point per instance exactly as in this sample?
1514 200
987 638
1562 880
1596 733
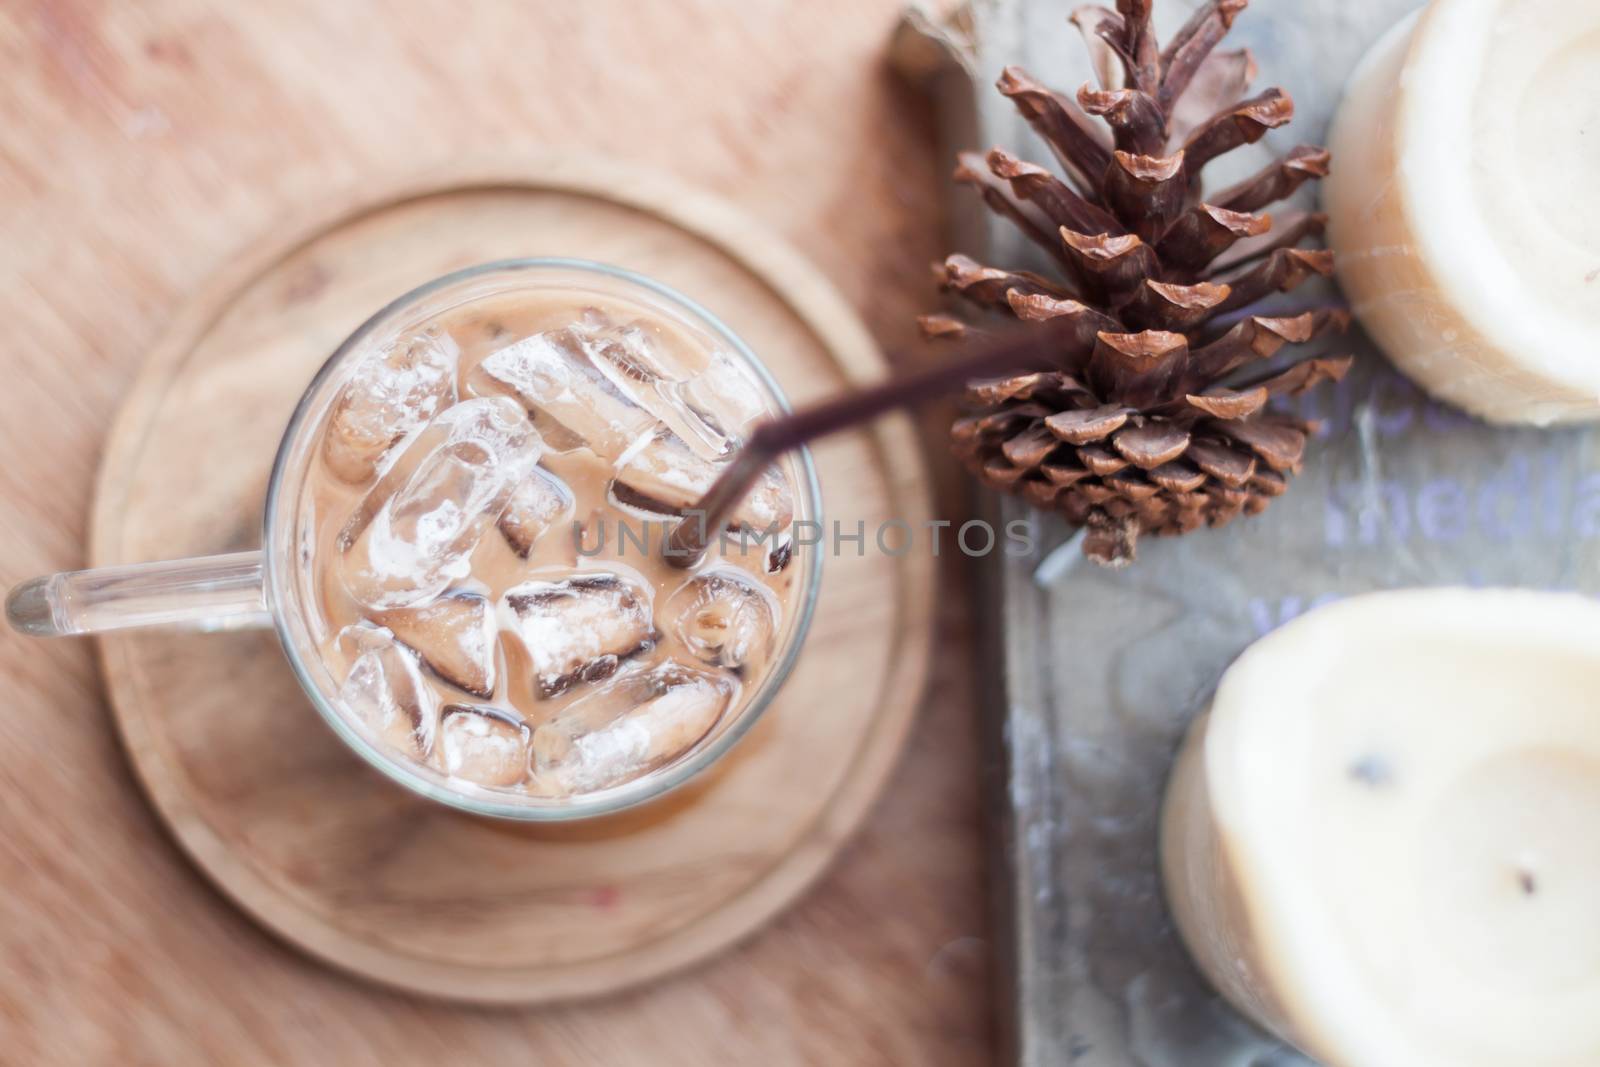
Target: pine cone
1147 427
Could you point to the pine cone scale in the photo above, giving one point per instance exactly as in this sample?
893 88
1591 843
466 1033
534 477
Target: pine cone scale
1151 444
1178 477
1084 426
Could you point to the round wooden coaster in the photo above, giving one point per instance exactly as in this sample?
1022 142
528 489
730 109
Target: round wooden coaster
353 869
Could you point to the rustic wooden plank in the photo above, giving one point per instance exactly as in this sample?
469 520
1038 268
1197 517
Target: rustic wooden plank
144 144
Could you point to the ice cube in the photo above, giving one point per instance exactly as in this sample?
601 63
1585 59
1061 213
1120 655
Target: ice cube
727 396
579 628
630 726
667 476
483 744
412 535
455 636
392 392
724 618
633 357
385 690
551 375
629 354
537 503
615 385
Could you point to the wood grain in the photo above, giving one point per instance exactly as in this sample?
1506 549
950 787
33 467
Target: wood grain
386 885
142 146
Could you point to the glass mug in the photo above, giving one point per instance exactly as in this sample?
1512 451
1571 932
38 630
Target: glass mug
270 587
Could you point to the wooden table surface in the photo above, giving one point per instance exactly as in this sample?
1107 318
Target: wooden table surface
140 145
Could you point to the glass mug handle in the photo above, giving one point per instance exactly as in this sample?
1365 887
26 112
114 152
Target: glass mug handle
206 593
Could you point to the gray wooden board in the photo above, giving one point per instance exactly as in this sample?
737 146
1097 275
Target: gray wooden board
1099 672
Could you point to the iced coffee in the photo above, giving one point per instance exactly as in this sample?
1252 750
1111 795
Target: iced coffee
484 548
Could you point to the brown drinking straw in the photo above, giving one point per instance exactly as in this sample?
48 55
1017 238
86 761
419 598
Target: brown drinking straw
1014 351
